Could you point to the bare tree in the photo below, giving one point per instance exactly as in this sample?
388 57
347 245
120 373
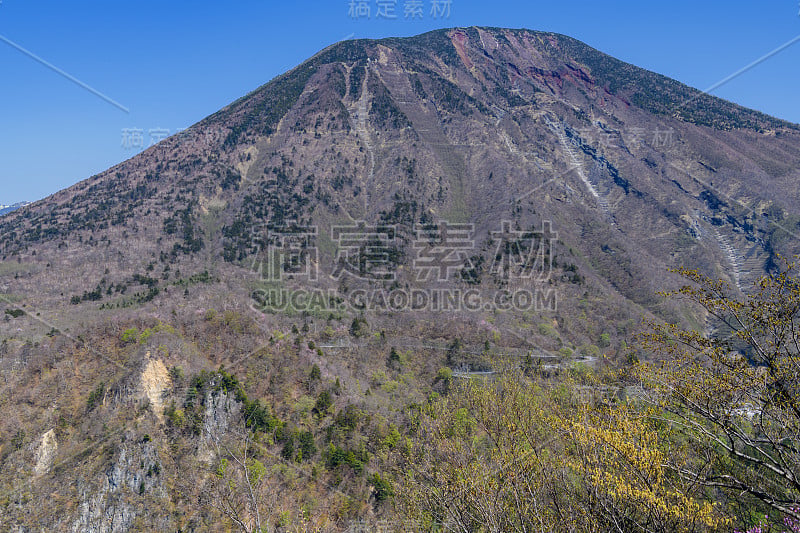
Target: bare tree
736 399
239 484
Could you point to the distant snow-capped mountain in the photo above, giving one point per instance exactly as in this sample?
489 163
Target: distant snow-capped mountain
5 209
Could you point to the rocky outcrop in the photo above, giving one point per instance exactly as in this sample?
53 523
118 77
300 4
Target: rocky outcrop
45 453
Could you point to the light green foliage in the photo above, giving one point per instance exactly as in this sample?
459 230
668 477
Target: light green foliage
130 336
605 340
444 374
159 328
547 330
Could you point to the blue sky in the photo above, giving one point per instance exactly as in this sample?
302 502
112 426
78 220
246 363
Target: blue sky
171 63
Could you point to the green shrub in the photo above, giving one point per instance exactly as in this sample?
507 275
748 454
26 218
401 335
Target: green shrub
336 457
547 330
18 439
130 335
605 340
590 350
324 402
383 488
175 415
307 447
390 386
359 327
176 373
95 397
349 417
288 449
391 440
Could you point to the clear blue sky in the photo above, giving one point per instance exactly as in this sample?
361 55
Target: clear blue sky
173 62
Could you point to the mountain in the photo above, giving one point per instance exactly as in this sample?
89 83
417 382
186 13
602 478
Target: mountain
5 209
446 200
